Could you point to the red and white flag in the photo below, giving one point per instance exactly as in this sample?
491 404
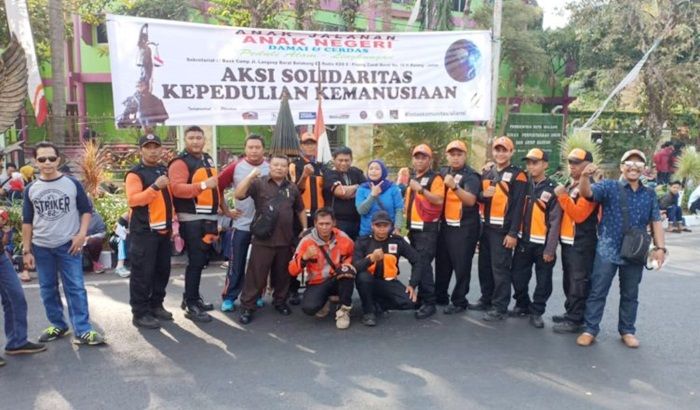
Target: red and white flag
323 153
18 21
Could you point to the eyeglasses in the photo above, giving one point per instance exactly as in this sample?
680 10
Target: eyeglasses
637 164
44 159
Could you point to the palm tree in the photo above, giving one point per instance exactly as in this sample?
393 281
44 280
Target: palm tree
57 36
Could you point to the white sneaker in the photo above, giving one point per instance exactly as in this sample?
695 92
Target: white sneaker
122 272
342 317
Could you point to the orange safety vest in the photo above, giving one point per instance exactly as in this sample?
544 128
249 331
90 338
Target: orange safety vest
200 169
158 215
494 209
312 191
431 181
538 203
584 211
454 211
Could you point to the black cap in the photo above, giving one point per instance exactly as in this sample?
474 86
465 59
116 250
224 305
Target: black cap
381 216
148 138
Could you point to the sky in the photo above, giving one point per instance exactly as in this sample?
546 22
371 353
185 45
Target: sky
554 14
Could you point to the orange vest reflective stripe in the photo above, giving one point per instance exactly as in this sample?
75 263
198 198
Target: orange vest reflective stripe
538 202
158 215
494 209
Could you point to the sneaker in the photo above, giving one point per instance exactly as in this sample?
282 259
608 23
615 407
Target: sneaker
246 316
52 333
260 303
146 322
97 267
224 265
493 316
160 313
123 272
227 305
27 348
480 306
686 229
536 321
369 319
325 310
342 317
566 326
90 338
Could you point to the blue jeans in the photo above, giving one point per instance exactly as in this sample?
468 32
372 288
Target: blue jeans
240 242
13 303
49 263
601 279
675 214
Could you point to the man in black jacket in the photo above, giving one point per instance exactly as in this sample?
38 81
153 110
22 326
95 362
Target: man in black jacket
339 188
376 259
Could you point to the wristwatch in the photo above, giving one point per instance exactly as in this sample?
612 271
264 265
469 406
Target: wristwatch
657 248
203 185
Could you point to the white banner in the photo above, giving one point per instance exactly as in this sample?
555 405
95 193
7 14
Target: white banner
184 73
18 21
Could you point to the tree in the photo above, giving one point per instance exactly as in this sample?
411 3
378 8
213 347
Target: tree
393 142
435 15
613 37
57 35
249 13
348 13
304 13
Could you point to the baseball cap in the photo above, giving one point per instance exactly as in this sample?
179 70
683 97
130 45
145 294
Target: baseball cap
148 138
633 152
307 136
381 216
456 144
505 142
580 155
536 154
422 149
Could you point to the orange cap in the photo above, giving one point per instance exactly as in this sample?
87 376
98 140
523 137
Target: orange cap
456 144
504 142
578 154
422 149
536 154
307 136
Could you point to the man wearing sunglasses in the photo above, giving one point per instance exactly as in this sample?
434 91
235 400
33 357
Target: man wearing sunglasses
55 217
643 210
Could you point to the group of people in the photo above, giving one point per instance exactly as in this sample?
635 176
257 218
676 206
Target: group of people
333 229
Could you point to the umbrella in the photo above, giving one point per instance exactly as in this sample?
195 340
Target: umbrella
284 137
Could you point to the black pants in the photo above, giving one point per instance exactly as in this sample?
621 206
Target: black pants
350 227
455 251
315 296
494 269
526 255
389 294
577 263
197 257
149 253
264 261
426 245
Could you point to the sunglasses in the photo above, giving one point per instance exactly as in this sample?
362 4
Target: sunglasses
637 164
44 159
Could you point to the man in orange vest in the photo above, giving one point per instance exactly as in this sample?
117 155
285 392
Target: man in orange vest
579 237
459 229
308 175
503 190
197 202
538 239
425 195
148 196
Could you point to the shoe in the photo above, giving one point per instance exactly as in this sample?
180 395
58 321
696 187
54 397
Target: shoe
685 229
207 307
325 310
585 339
425 311
536 321
559 318
260 302
519 312
52 333
245 317
369 319
342 317
160 313
227 305
493 316
452 309
90 338
97 267
628 339
2 362
197 314
566 326
122 272
27 348
294 298
283 309
479 306
146 322
224 265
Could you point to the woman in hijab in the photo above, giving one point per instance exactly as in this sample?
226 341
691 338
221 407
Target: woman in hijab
378 193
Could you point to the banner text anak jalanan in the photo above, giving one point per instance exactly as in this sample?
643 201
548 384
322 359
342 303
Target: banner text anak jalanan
183 73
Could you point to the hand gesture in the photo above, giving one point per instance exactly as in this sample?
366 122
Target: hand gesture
308 170
377 255
310 253
450 181
487 166
489 192
376 189
254 173
548 258
415 185
235 214
412 293
211 183
162 181
590 170
509 242
560 189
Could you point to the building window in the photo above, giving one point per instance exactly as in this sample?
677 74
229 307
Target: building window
458 5
101 31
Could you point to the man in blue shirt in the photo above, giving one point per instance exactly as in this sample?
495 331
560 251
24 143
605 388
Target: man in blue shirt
643 210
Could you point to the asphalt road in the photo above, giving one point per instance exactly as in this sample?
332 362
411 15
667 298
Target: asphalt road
446 362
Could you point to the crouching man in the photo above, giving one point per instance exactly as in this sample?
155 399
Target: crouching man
325 255
377 263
